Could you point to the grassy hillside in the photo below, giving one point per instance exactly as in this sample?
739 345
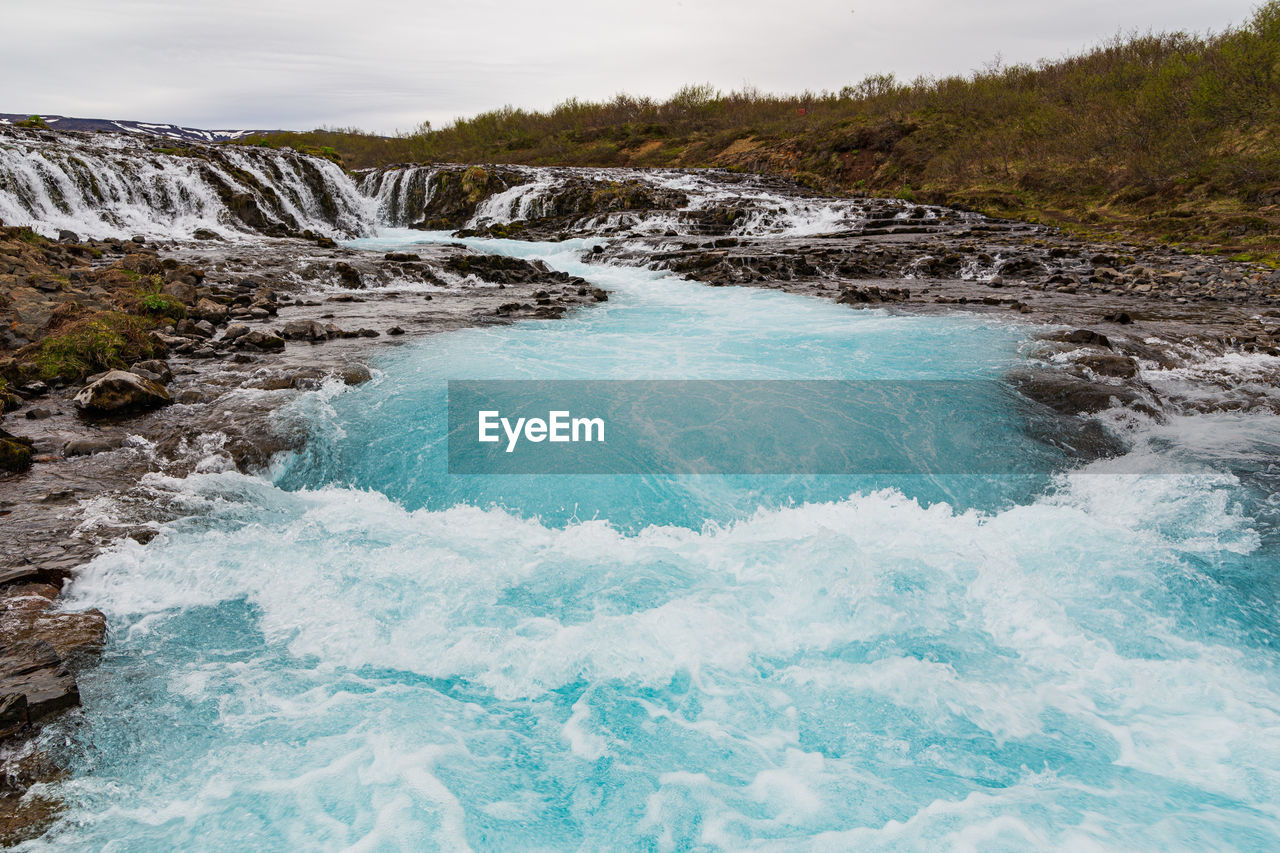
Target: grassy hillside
1170 137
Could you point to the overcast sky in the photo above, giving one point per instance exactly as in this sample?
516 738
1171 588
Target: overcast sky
389 64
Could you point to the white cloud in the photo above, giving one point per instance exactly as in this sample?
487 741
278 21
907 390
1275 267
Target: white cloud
387 64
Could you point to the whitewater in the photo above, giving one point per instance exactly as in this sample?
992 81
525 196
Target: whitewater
358 651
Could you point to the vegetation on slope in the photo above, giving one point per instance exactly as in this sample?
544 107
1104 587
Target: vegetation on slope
1172 137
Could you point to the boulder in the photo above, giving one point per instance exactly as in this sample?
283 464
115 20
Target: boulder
1087 337
119 392
1021 268
207 309
304 330
260 340
85 447
1068 394
872 294
1109 364
235 330
354 374
348 276
15 452
156 367
181 291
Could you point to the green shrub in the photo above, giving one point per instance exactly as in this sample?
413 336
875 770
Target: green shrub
109 339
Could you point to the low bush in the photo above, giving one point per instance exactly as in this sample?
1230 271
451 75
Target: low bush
102 341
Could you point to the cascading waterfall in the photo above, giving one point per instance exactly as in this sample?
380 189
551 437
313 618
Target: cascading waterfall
401 193
523 201
115 186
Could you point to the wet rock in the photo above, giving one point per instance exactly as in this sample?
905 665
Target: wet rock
13 714
1021 268
192 329
259 340
119 392
86 447
65 236
157 368
235 330
1109 364
33 389
348 276
1087 337
15 452
1069 394
208 310
946 265
395 330
872 294
1120 317
354 374
74 635
38 414
304 330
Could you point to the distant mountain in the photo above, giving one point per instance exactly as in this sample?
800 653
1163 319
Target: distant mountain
166 131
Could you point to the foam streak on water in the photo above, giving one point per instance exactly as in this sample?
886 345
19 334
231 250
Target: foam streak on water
359 654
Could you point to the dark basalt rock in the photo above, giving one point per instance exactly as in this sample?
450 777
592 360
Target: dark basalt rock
456 193
871 295
1069 394
304 330
157 368
1086 337
259 340
348 276
1109 364
1021 268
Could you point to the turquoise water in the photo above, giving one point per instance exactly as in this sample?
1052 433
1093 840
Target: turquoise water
363 653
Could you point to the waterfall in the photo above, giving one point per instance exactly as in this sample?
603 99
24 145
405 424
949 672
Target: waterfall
110 185
523 201
400 193
116 186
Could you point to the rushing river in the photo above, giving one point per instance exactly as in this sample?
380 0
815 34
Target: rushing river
361 652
